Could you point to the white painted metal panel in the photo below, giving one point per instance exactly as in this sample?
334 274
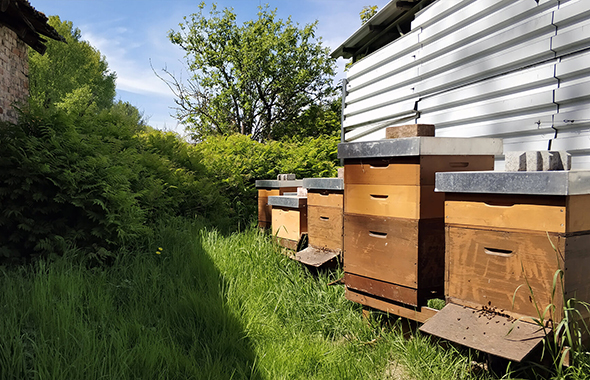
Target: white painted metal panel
383 113
513 83
398 80
388 53
513 69
572 39
517 57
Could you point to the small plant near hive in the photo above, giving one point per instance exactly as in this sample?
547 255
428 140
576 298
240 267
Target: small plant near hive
563 340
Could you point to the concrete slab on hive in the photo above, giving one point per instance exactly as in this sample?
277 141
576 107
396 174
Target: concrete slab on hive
574 182
421 146
275 184
288 201
323 183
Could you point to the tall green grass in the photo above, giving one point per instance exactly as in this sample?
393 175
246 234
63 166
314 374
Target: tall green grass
208 306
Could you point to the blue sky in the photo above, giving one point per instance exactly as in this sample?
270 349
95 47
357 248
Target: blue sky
133 33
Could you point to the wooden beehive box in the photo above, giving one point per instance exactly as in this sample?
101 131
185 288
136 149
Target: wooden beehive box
289 219
267 188
507 234
325 202
505 237
394 221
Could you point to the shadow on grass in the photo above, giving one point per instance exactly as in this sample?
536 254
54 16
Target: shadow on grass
155 314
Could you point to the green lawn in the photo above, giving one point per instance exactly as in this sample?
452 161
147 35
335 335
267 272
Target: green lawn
207 307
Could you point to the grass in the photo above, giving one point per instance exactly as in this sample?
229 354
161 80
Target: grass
208 306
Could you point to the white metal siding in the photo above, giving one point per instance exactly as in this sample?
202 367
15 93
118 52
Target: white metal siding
519 70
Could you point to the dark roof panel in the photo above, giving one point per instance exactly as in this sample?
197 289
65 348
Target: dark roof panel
28 23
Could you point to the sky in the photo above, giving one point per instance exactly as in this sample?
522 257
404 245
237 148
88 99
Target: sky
132 35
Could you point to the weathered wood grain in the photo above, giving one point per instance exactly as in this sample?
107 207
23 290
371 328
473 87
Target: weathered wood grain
421 314
325 199
410 202
416 170
385 249
325 227
382 289
529 216
495 268
289 223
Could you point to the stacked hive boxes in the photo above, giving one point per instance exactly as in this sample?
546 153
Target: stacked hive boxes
393 219
325 201
267 188
507 234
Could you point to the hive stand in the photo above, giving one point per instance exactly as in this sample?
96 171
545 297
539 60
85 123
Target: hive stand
267 188
393 219
325 203
507 234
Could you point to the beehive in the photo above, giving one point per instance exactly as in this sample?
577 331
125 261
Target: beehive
267 188
289 219
325 203
394 221
507 229
507 235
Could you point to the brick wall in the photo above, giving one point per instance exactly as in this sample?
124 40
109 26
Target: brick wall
14 70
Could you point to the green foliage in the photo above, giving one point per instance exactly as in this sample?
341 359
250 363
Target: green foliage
95 181
207 306
72 75
235 162
251 79
315 121
367 12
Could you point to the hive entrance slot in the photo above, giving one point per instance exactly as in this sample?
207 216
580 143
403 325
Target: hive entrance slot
498 252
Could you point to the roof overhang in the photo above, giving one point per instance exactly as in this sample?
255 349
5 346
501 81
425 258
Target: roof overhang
389 19
28 23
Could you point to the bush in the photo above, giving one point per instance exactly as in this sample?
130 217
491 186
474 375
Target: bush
235 162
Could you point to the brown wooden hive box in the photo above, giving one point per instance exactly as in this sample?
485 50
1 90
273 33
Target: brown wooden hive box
267 188
289 219
394 220
499 244
509 236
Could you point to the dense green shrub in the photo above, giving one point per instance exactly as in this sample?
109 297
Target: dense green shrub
62 185
94 181
235 162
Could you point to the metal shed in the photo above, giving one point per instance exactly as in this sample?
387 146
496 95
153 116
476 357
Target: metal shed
488 68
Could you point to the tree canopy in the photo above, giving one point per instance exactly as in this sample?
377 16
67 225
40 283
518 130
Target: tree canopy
257 78
71 75
367 12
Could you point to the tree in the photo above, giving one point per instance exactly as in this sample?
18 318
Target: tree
250 79
72 74
367 12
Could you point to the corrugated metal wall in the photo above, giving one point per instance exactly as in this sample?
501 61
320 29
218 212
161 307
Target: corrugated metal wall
516 69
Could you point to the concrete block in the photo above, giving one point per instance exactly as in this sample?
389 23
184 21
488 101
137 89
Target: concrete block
286 177
534 161
515 161
556 160
301 192
410 130
341 173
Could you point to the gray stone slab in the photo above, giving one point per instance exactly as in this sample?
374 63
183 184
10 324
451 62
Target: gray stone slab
417 146
323 183
570 182
274 184
288 201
